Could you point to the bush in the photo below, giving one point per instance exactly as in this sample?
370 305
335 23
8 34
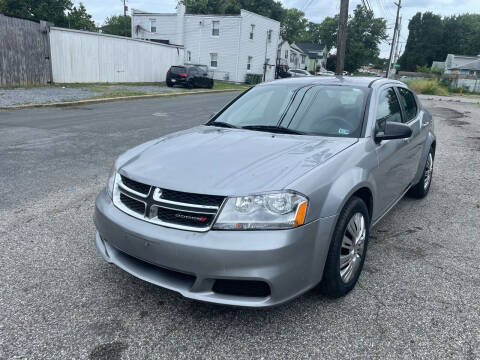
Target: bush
253 79
429 87
423 69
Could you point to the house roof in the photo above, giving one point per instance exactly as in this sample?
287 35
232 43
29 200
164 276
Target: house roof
310 47
463 62
472 65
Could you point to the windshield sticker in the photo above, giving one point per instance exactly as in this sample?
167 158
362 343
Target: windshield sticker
343 131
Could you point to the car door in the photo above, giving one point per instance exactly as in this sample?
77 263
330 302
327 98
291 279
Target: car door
413 117
193 74
392 175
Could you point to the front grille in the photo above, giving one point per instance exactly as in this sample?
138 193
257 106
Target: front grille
132 204
176 209
135 185
189 198
185 218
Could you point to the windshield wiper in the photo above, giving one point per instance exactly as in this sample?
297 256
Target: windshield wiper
275 129
222 124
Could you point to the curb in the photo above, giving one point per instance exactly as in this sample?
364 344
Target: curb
104 100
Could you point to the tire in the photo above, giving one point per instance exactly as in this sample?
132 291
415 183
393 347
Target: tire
340 278
169 84
420 189
210 85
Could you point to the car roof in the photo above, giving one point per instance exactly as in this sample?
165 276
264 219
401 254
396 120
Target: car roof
359 81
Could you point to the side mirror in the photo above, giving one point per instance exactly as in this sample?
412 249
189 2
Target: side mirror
393 130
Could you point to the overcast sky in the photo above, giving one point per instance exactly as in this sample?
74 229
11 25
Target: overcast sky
315 10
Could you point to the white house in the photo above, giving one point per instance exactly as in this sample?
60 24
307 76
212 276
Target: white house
291 56
231 45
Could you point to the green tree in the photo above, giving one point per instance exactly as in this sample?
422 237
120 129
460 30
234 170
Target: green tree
118 25
364 34
269 8
424 42
328 29
53 11
79 19
293 25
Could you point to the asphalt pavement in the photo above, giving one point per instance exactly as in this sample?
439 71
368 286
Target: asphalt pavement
418 296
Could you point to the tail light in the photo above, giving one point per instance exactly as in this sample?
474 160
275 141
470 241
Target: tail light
183 74
168 73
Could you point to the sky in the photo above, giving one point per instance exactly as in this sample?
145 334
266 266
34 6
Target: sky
315 10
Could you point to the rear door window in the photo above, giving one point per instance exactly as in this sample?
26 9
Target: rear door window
409 103
388 108
178 69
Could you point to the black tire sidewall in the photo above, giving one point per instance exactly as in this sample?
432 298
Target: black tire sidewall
332 284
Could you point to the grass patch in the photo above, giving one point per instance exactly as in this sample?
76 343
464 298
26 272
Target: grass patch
120 93
428 87
222 85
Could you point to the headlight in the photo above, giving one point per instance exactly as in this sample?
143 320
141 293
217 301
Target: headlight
111 181
282 210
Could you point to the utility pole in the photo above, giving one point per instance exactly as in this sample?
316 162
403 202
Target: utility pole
399 5
342 37
397 54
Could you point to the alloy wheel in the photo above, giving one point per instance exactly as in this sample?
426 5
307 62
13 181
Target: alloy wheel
353 242
428 171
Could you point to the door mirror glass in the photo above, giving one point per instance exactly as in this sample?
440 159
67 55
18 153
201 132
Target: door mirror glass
393 130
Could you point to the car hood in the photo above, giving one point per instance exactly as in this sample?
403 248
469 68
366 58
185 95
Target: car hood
221 161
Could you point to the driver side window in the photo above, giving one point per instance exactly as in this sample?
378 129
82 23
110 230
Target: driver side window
388 109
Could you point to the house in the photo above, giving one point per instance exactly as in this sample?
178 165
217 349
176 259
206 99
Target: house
316 55
231 45
291 56
460 64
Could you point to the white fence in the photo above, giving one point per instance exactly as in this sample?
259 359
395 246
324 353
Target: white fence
87 57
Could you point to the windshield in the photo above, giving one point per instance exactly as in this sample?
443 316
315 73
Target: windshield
262 105
327 110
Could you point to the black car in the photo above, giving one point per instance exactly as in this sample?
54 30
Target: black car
188 76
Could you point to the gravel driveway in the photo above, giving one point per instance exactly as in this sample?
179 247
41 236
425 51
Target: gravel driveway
418 296
51 94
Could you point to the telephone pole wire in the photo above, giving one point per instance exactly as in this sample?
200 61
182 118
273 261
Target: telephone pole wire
342 37
399 5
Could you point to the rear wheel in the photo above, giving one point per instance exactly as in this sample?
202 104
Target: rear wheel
347 250
169 84
420 190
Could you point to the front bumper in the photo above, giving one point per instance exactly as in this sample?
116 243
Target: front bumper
289 261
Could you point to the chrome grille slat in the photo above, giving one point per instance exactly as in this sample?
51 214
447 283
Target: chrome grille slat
167 212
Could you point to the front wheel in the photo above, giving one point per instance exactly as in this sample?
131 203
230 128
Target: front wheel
420 190
347 250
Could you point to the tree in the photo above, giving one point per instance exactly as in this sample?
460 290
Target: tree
269 8
293 26
118 25
332 63
424 42
53 11
327 30
79 19
364 35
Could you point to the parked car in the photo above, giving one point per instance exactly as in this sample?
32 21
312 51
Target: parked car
326 73
299 73
277 193
189 76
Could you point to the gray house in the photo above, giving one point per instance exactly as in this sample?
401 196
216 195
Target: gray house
460 64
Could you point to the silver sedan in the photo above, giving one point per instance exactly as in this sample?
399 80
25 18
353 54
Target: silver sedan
275 195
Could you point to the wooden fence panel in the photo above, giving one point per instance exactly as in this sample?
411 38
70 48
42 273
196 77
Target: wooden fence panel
24 52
